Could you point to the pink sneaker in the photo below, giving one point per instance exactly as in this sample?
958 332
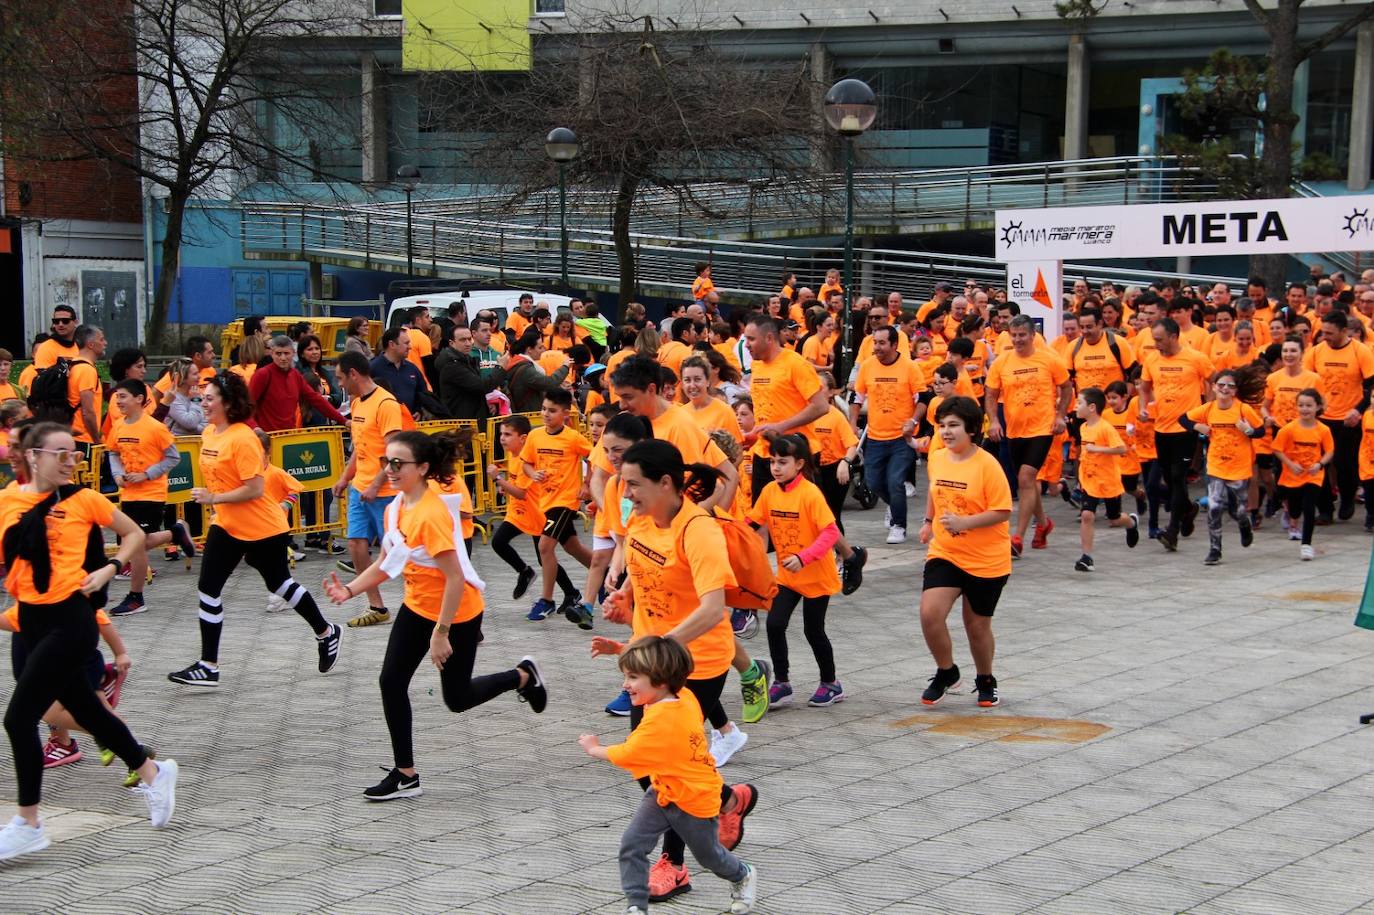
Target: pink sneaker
54 754
111 684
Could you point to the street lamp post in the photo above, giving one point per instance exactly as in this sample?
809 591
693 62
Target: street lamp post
562 147
409 176
850 107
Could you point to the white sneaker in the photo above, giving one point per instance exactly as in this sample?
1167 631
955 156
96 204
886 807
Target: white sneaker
1307 552
742 894
19 838
1294 533
295 553
910 490
161 795
276 604
727 744
896 535
887 516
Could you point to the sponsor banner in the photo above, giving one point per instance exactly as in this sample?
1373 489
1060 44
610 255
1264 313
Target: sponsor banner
1038 288
1291 226
186 475
313 456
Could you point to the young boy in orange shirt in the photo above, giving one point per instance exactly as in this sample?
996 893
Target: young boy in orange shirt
552 457
1099 475
685 791
1230 426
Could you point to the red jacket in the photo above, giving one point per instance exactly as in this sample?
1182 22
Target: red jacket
277 395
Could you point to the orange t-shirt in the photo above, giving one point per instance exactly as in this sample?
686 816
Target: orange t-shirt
372 418
1029 389
795 515
702 287
244 371
866 348
1282 390
560 456
782 388
420 347
594 400
1303 447
676 426
819 352
140 445
672 354
670 750
1125 423
458 487
1003 344
1195 338
69 523
1217 350
1094 365
27 376
671 568
969 487
892 392
516 321
50 350
429 524
279 486
826 289
553 360
1343 373
836 436
715 415
524 513
81 378
726 349
610 521
1144 429
616 358
228 460
1367 446
1100 474
9 392
1230 452
1177 383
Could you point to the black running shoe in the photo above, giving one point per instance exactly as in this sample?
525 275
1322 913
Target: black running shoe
1084 563
986 685
1187 527
181 536
580 614
533 692
329 648
1347 511
522 582
1133 532
1213 558
944 681
395 785
346 565
1247 535
853 568
1169 540
195 675
569 602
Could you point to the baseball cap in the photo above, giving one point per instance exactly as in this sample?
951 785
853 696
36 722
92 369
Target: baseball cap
943 287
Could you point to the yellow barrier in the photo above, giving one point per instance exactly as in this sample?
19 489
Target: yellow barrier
469 466
314 457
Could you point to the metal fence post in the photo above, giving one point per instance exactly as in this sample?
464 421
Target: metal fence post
367 240
302 231
1126 183
434 249
1046 187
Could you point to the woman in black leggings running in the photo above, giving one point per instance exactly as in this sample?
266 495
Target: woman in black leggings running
46 525
247 527
441 612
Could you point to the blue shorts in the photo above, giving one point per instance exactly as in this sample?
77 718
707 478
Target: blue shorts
366 520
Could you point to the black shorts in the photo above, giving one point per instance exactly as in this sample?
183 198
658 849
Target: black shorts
1129 482
982 594
1266 462
147 515
1030 452
1090 504
560 524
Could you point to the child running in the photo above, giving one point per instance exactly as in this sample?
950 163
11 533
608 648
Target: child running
47 526
1099 475
1304 447
523 514
1230 426
552 457
441 611
969 555
142 453
793 511
282 489
1123 416
685 789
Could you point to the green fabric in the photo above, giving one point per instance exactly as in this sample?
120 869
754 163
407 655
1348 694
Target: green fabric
595 329
1364 618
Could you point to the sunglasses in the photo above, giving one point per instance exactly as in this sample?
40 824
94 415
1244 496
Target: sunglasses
62 455
395 464
64 320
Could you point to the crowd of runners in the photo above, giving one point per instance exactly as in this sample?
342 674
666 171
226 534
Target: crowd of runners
671 446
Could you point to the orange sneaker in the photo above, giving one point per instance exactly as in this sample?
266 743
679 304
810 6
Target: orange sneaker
732 823
1041 533
1017 545
666 880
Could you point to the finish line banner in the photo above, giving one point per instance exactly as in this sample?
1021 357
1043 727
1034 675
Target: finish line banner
1291 226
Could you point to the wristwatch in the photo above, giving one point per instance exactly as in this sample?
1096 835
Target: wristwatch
441 629
116 563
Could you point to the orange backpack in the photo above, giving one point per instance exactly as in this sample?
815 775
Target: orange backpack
755 584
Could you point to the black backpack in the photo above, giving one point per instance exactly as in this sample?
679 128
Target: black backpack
48 393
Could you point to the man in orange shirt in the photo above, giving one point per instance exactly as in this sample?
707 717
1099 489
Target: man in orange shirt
1032 385
420 345
1176 380
1346 368
522 317
61 342
1100 356
1189 334
891 384
788 395
671 353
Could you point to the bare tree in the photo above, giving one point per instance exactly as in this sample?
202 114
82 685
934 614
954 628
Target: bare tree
196 97
655 106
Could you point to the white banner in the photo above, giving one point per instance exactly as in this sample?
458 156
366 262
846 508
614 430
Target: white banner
1038 288
1293 226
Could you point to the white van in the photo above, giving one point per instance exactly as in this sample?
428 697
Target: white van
500 301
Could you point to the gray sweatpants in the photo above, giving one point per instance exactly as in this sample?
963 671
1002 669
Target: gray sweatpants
648 825
1219 494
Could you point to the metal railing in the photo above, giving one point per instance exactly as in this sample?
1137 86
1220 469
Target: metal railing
1352 264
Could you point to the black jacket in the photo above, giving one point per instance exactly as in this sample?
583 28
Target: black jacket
462 389
528 384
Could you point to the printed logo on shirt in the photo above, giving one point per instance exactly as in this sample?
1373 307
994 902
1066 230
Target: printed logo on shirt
652 555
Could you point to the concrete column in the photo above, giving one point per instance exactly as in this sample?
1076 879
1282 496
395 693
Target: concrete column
865 261
316 284
1076 100
1362 109
374 120
1302 77
821 69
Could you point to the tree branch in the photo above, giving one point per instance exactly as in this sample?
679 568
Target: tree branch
1334 33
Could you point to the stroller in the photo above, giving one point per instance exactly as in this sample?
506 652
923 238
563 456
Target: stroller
858 485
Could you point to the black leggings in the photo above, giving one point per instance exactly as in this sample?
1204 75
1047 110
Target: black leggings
58 640
1175 451
813 625
708 695
501 543
1343 471
834 491
406 648
221 555
1302 503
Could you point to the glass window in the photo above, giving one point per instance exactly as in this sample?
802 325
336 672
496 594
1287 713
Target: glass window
550 7
386 8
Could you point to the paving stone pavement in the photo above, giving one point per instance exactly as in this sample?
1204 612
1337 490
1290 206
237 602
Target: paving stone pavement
1171 737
